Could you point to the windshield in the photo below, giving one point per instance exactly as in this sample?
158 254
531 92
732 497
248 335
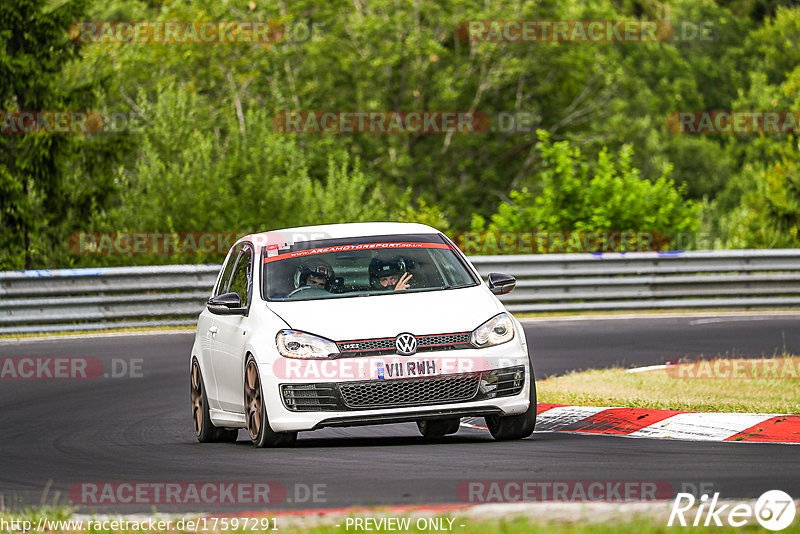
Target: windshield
355 267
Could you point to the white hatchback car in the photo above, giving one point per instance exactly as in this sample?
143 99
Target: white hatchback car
357 324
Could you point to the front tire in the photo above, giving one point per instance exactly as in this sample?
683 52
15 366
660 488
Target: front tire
436 428
520 426
204 429
258 426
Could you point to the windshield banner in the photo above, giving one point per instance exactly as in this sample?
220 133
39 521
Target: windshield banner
349 248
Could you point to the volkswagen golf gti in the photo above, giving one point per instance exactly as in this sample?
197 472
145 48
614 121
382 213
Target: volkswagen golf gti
356 324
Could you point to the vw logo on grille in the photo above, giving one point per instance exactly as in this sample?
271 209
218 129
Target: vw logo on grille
406 344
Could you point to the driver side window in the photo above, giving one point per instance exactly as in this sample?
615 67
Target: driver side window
227 270
242 279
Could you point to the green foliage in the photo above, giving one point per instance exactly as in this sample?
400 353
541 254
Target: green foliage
33 51
770 214
775 44
201 153
424 213
606 195
760 206
247 179
49 182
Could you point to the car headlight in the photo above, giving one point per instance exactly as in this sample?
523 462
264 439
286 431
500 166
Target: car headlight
497 330
294 344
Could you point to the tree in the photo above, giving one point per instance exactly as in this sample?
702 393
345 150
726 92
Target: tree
769 216
35 202
603 196
227 174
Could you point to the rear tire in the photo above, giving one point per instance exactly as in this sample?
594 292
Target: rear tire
261 433
520 426
204 429
436 428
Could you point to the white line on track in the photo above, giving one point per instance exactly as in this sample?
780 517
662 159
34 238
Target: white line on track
717 316
705 318
647 368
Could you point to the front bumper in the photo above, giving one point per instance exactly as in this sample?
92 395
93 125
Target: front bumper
421 391
497 389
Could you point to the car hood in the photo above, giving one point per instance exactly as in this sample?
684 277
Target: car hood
430 312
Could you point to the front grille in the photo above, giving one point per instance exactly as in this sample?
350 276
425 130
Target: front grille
371 347
390 393
445 339
415 391
367 345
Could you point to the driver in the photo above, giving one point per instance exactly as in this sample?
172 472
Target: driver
387 275
314 273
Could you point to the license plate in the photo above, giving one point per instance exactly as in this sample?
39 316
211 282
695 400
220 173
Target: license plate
407 369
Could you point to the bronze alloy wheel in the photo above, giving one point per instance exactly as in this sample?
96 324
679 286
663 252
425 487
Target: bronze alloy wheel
204 429
197 399
253 400
258 426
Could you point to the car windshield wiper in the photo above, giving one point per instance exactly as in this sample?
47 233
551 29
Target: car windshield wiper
447 286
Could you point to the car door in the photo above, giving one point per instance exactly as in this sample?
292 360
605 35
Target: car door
229 340
207 326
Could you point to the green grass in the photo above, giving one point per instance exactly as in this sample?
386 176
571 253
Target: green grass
660 389
97 331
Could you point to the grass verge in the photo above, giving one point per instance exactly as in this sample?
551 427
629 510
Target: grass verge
719 385
188 328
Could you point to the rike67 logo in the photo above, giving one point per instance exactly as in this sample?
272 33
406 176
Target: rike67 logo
774 510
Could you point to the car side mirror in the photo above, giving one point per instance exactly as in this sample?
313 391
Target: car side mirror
500 284
226 304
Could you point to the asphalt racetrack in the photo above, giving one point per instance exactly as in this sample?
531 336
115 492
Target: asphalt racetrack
59 433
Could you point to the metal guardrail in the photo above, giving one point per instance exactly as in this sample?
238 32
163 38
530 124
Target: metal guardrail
108 297
113 297
731 279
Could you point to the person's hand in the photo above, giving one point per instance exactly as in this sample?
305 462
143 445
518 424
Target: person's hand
403 282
